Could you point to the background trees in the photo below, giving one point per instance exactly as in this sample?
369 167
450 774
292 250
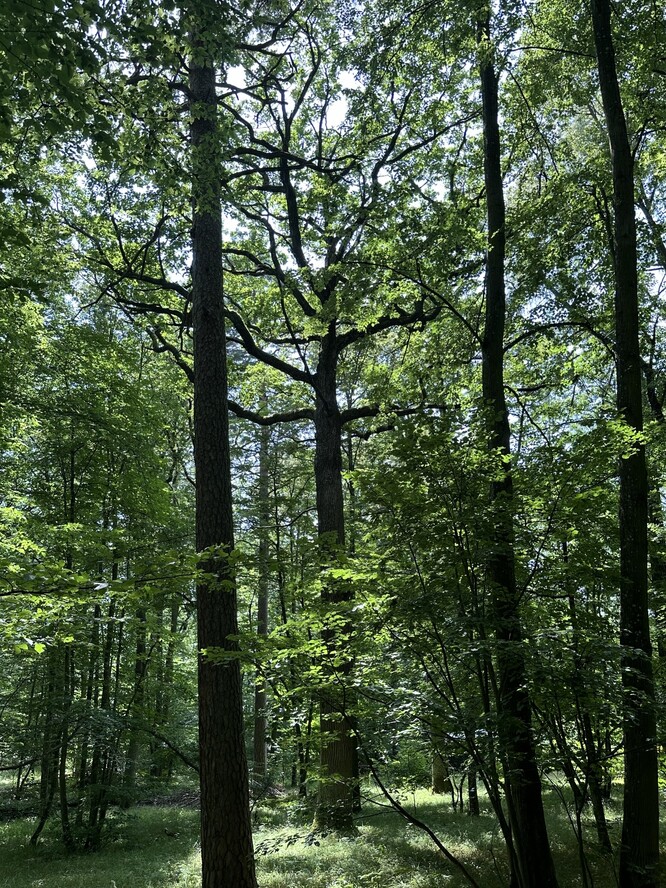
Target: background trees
418 227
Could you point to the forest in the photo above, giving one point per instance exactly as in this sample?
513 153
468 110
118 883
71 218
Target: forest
332 457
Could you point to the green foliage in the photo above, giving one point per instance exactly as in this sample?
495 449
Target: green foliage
353 192
156 848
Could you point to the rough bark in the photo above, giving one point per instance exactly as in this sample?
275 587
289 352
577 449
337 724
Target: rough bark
639 853
226 837
338 749
534 863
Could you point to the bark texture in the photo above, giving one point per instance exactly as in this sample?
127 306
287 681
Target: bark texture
639 853
338 751
226 838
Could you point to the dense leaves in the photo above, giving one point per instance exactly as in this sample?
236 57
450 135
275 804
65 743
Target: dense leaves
379 479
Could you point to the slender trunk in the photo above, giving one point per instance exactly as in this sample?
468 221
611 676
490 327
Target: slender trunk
87 689
119 660
136 710
350 523
160 689
472 793
351 493
533 857
299 771
226 836
593 763
639 853
44 815
67 691
658 570
656 515
487 760
98 788
22 774
163 765
259 772
595 784
107 656
50 745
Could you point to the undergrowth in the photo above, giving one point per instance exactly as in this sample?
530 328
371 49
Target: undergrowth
157 847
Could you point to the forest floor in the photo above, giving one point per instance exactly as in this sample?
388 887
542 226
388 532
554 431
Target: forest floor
157 847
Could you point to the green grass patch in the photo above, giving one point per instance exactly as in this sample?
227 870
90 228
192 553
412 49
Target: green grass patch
137 853
157 847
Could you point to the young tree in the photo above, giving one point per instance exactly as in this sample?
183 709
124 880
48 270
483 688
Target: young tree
639 854
533 866
259 765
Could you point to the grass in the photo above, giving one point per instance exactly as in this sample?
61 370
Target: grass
137 853
388 853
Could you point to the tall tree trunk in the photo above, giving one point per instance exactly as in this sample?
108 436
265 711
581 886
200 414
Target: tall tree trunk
350 523
226 836
639 854
534 862
161 691
338 745
31 729
658 569
259 771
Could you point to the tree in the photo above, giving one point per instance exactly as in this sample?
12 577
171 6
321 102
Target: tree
639 854
259 765
320 207
226 835
401 257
